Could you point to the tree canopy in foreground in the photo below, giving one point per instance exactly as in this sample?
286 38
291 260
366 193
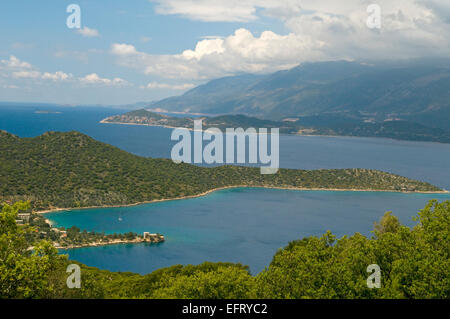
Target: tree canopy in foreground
414 263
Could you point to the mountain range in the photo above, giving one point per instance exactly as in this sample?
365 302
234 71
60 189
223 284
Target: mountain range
338 91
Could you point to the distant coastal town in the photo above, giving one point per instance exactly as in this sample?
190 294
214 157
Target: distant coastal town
73 237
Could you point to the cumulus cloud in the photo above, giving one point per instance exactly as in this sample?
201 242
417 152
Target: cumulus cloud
93 78
88 32
15 63
239 52
15 69
18 69
57 76
123 49
316 30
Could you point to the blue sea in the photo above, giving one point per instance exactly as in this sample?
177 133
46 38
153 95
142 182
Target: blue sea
238 225
245 225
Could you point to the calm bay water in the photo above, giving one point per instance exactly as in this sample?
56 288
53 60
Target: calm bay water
241 225
245 225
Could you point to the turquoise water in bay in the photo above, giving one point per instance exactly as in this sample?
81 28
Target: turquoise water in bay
245 225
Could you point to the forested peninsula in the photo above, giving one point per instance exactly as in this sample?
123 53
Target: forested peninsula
72 170
329 125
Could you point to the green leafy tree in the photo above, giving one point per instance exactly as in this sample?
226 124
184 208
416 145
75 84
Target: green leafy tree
223 283
414 262
23 271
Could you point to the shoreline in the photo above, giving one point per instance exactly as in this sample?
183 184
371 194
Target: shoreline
54 210
113 242
288 134
117 242
204 130
156 125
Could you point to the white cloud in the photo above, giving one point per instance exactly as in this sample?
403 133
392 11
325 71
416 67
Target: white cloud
156 85
247 10
15 63
408 29
17 70
93 78
27 74
314 31
209 10
57 76
317 30
240 52
123 49
87 32
227 10
204 48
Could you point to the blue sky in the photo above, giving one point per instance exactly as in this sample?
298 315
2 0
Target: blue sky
143 50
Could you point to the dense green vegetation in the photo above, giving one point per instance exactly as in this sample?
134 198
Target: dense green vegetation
145 117
24 273
73 170
414 263
396 129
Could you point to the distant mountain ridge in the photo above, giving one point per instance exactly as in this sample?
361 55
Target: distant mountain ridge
416 93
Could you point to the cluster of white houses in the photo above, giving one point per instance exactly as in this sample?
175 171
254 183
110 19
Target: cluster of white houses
23 218
153 237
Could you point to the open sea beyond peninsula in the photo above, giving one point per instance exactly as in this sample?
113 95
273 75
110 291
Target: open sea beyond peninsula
245 225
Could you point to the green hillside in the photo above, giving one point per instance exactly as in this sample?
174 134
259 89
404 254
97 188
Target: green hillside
73 170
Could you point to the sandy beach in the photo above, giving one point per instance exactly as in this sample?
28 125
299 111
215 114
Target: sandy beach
236 186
